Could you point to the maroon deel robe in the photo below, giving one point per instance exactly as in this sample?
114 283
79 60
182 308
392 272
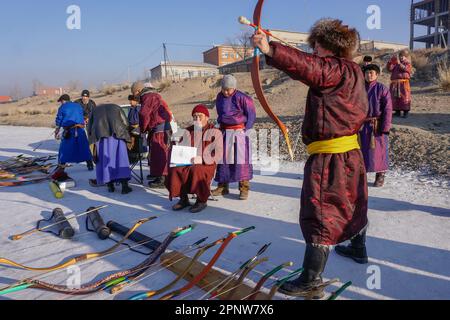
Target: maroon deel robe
154 111
335 194
195 179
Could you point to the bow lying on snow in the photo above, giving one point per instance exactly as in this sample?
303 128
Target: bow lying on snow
264 279
79 258
119 284
215 291
225 241
257 83
99 285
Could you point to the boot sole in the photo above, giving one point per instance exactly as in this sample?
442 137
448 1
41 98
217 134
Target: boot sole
181 208
220 195
315 295
357 260
197 210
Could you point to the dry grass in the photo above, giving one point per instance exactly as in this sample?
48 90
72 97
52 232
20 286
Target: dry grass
164 86
444 76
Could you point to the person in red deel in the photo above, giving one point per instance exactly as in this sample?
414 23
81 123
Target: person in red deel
335 193
154 118
195 179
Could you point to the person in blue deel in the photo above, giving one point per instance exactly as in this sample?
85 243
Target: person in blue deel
70 126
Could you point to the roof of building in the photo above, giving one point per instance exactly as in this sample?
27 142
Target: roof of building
225 46
5 98
385 42
187 64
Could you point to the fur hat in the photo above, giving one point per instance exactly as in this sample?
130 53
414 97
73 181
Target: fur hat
333 35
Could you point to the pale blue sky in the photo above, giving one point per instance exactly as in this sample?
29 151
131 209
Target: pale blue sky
35 43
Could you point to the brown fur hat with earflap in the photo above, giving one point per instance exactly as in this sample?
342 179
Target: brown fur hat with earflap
333 35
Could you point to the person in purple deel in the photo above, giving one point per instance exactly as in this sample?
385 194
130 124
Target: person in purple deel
236 115
374 134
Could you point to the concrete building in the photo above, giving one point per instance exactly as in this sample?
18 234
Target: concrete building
374 45
242 66
430 23
224 54
49 91
182 70
300 40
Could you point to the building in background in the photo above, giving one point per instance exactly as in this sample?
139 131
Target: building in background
5 99
430 23
48 91
296 39
374 45
182 70
300 40
225 54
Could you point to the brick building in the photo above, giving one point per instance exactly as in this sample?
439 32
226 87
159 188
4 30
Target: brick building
224 54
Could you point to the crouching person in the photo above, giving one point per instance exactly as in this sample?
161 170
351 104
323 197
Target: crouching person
196 178
108 130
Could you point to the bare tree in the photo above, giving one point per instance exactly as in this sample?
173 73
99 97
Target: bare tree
241 44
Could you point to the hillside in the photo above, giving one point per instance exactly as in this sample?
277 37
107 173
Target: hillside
418 143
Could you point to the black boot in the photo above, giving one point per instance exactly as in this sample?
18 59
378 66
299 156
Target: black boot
125 187
183 203
111 187
308 284
356 250
198 207
158 183
397 113
379 180
405 114
90 165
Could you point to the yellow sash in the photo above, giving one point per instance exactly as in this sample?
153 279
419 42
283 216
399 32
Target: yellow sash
333 146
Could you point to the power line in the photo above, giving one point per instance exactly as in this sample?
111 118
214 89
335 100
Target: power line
120 76
189 45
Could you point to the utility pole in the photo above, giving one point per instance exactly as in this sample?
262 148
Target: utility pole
166 58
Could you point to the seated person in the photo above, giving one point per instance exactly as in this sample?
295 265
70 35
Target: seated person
195 179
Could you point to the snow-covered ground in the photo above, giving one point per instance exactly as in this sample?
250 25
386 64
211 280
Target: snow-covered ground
408 239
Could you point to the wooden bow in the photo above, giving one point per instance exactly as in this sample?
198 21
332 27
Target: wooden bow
257 83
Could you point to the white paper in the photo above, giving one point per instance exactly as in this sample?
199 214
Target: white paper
182 155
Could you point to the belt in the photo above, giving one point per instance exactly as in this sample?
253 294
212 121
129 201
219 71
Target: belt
232 126
334 146
75 126
165 126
